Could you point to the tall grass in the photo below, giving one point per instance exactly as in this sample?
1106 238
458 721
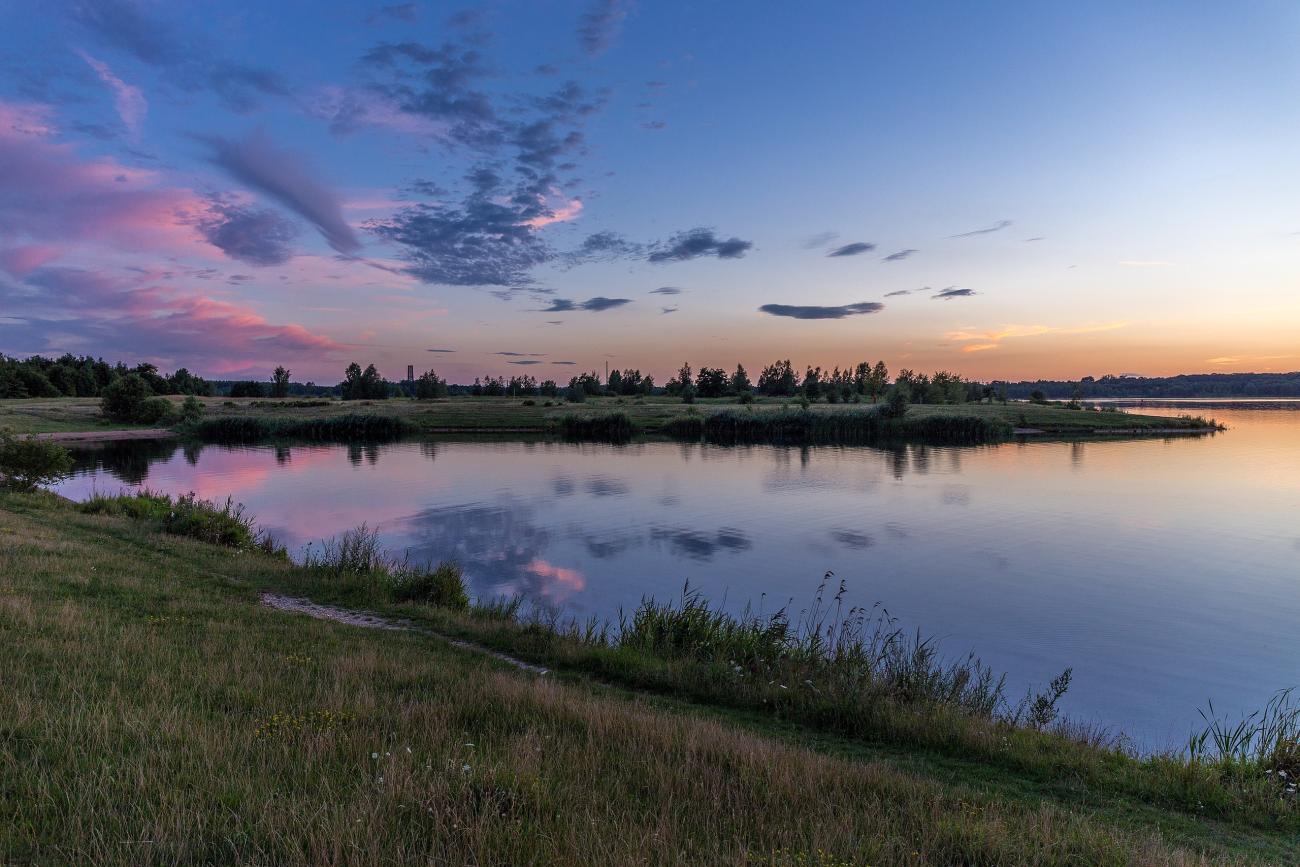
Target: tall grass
612 426
357 557
224 524
847 427
1266 741
337 428
844 657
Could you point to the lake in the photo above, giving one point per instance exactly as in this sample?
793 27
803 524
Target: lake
1164 571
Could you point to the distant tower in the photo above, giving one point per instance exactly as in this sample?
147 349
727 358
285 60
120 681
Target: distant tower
410 373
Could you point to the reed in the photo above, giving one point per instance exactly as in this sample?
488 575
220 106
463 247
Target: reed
848 427
610 426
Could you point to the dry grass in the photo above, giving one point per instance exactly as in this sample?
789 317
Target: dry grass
152 712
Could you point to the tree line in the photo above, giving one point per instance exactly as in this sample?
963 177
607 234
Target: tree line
82 376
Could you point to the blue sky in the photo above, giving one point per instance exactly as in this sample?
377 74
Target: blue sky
1063 190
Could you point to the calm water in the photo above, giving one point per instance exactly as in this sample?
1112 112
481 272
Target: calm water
1164 571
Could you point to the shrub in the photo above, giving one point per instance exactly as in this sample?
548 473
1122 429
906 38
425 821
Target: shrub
123 400
746 397
27 462
443 586
191 410
154 410
896 402
575 394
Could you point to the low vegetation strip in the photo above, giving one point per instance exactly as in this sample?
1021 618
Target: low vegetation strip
223 731
337 428
843 427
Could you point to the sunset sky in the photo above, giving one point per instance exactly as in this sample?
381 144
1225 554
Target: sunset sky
1026 190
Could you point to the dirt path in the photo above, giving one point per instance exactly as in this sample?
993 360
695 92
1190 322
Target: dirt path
298 605
100 436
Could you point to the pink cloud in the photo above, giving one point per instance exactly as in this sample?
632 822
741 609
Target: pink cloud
146 315
21 261
557 214
48 194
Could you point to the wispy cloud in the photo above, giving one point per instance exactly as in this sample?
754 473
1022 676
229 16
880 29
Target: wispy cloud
667 290
821 239
594 305
600 25
983 341
987 230
807 311
694 243
281 174
855 249
127 99
953 292
900 255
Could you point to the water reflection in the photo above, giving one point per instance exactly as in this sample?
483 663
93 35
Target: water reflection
1162 570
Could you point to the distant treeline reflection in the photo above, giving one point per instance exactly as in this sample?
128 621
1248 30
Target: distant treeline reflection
130 461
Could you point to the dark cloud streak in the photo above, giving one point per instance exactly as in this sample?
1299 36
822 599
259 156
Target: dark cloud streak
796 311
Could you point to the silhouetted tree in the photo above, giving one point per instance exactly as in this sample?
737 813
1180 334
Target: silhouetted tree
280 382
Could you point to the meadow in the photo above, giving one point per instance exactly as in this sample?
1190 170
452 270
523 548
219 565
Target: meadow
155 711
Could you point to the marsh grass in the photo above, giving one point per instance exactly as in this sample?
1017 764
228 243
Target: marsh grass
844 427
356 557
610 426
1266 741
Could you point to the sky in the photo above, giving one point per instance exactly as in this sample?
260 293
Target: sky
1007 191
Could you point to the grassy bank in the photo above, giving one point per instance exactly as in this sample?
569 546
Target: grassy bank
155 712
514 415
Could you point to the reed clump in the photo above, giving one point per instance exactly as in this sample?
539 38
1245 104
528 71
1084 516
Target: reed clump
848 427
358 559
610 426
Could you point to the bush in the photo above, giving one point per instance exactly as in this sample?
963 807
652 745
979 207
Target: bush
27 462
575 394
191 410
154 410
443 586
896 402
747 397
123 400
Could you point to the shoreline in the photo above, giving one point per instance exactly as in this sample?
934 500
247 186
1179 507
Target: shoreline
105 435
389 707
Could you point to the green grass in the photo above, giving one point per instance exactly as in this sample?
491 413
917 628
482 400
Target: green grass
153 711
335 428
511 415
